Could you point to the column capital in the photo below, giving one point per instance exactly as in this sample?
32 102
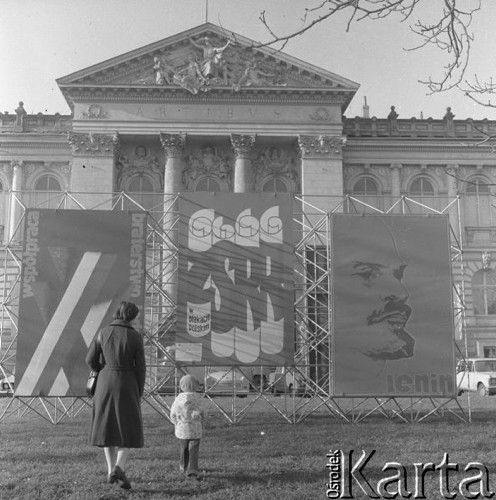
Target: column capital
173 144
322 146
90 144
452 167
16 163
242 144
395 166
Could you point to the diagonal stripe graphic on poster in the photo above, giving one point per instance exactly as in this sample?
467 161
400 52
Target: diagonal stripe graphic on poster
58 322
94 317
61 384
76 267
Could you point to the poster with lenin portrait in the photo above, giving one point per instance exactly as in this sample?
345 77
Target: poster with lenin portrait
235 279
393 327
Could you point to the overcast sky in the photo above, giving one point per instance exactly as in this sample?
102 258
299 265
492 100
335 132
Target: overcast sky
42 40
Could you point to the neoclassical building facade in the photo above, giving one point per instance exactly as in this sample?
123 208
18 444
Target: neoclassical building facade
208 110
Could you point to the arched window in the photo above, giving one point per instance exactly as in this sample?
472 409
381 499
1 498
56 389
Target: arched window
422 187
275 185
46 189
207 184
477 203
140 189
366 190
484 292
365 187
422 191
47 183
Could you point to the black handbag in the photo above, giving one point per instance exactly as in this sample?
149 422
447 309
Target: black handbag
93 376
91 383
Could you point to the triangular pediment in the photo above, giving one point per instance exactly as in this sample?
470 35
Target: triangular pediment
207 58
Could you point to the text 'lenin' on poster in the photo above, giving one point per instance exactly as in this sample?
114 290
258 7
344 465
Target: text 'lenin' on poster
392 299
235 279
77 266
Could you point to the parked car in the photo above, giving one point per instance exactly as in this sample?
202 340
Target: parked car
225 381
476 374
258 376
170 377
7 386
285 380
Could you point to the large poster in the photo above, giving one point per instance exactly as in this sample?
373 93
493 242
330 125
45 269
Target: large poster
393 332
76 268
235 275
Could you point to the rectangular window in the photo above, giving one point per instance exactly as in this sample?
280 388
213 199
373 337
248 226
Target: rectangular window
490 351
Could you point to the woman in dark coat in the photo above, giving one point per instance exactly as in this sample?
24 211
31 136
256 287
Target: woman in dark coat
117 351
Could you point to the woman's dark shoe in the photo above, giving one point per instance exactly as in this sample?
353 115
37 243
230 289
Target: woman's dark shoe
120 478
111 479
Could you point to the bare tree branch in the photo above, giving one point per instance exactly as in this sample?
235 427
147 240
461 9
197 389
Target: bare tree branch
359 10
449 32
480 92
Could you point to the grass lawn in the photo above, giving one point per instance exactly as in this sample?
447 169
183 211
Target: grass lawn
39 460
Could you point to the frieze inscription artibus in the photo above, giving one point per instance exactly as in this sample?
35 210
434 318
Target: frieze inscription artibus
234 113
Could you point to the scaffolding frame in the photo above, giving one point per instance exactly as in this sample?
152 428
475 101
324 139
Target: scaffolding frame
312 366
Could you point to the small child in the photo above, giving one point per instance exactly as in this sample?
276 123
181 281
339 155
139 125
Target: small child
187 416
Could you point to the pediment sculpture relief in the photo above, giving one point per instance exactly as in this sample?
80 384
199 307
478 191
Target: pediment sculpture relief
210 62
208 162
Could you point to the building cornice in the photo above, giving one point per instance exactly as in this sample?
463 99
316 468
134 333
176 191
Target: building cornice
36 144
416 145
89 94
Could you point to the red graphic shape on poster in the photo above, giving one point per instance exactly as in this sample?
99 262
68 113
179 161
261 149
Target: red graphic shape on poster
235 292
393 328
77 266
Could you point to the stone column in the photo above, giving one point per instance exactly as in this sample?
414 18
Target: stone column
322 176
396 186
243 174
322 170
173 145
452 195
16 209
93 168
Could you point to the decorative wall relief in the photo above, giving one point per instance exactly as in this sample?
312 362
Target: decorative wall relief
274 162
320 115
6 174
93 144
405 174
6 167
94 111
321 146
34 170
136 161
349 174
442 177
491 171
384 174
209 161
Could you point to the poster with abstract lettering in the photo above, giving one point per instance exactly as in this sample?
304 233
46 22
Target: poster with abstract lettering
392 296
77 266
235 279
